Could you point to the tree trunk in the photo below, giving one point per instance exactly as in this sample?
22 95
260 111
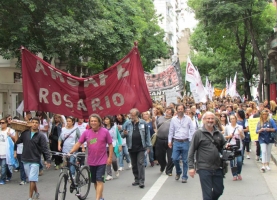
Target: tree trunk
261 81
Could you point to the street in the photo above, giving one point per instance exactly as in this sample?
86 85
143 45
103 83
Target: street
254 186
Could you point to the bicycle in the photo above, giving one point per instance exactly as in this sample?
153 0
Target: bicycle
82 179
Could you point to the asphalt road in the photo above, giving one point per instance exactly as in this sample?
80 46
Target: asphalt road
255 186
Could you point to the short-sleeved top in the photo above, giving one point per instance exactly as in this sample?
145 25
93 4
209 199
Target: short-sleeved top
4 141
96 144
229 130
41 126
71 140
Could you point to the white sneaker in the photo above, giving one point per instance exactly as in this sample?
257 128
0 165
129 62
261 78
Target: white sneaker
267 168
120 169
116 173
22 183
108 178
130 165
248 157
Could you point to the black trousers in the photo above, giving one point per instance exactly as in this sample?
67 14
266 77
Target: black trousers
138 168
163 152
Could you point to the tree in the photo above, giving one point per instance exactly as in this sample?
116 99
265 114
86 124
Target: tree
226 21
92 33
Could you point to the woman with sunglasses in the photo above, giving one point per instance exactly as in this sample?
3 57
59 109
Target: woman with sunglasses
5 132
223 120
264 128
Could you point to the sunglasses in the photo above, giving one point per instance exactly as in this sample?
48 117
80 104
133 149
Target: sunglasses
9 118
2 122
222 116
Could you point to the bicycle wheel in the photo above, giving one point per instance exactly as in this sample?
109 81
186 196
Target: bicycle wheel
61 187
83 181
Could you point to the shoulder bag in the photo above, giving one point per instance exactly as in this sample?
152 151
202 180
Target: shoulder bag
154 136
225 154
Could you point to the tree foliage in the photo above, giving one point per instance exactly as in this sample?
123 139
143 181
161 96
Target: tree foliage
233 34
92 33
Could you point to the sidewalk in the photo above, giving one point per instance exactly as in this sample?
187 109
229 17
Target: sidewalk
274 154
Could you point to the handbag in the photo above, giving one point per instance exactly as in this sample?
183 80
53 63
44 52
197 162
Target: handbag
62 142
154 136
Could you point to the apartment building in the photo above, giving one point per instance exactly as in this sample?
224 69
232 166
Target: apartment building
10 87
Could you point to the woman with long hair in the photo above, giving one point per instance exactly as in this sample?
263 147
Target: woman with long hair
117 146
273 107
234 135
223 120
264 128
119 121
244 123
54 135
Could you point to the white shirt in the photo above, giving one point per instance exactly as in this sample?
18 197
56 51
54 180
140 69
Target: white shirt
4 141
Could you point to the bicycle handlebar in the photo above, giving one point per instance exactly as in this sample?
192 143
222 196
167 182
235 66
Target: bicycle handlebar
67 154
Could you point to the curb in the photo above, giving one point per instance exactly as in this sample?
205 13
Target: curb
274 154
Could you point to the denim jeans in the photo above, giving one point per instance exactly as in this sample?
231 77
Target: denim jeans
238 161
123 153
21 168
72 159
180 149
211 183
3 169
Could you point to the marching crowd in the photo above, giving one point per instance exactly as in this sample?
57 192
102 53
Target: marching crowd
186 135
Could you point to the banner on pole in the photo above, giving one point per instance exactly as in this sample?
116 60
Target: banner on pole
113 91
170 78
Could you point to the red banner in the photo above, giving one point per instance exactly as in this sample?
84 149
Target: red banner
113 91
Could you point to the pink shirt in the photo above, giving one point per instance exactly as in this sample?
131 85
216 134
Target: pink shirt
96 144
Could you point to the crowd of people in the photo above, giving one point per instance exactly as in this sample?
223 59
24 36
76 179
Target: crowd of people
181 135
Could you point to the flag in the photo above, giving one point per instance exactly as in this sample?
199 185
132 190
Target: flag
233 89
191 72
20 108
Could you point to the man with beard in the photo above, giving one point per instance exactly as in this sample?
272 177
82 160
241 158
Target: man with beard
180 131
162 149
137 136
207 158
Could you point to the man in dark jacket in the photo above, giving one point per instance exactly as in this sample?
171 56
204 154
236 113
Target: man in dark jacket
207 158
137 136
34 144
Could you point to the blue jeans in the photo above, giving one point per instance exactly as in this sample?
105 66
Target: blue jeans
211 183
123 153
72 159
181 149
3 169
238 160
150 155
21 168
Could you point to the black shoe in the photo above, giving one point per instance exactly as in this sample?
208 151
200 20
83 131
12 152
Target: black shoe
177 177
135 183
141 185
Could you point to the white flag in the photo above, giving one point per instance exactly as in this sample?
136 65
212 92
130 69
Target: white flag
233 87
20 108
190 71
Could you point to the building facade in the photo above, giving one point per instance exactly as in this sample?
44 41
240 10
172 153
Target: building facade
10 87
